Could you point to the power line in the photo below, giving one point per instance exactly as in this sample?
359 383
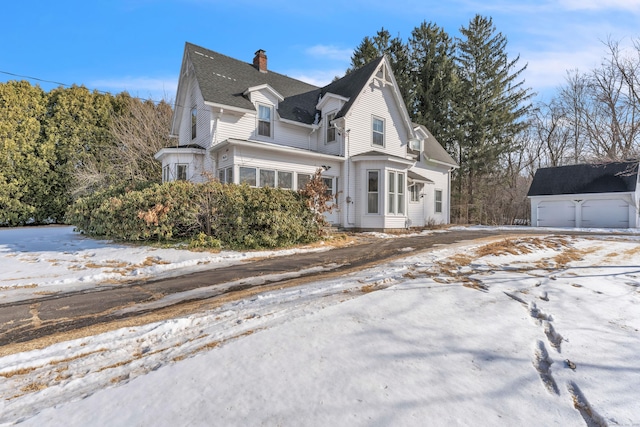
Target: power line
34 78
68 85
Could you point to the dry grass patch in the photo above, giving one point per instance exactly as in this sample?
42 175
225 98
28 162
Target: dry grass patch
29 286
570 255
369 288
79 356
33 387
107 264
632 251
21 371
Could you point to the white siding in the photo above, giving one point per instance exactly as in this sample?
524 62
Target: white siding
376 100
203 118
235 125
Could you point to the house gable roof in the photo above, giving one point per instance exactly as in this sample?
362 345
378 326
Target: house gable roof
618 177
433 150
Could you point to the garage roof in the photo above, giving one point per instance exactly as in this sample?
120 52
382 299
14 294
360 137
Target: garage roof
615 177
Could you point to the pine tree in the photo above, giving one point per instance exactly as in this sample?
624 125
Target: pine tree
434 83
490 108
396 51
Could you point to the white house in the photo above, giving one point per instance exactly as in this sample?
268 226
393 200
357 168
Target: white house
242 123
601 195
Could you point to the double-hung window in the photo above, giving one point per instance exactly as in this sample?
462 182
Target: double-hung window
265 114
377 131
331 128
166 175
395 200
181 171
373 178
438 201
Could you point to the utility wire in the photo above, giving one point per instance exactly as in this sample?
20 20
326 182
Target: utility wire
68 85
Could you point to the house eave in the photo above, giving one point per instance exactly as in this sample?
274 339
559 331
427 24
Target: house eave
328 96
293 122
261 87
178 150
383 158
451 165
274 147
579 196
229 108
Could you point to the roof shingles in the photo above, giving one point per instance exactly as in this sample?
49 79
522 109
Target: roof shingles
616 177
223 80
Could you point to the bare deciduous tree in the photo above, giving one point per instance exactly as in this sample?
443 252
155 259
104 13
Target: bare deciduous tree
140 129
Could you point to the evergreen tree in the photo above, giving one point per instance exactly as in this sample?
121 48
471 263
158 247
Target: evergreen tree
382 44
490 108
434 83
77 127
23 158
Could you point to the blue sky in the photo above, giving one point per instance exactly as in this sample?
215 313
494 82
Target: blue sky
137 45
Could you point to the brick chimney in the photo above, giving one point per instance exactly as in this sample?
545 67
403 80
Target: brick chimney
260 61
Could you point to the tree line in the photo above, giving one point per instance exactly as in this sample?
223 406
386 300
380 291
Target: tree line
71 141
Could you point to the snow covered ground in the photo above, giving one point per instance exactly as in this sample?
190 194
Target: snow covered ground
527 331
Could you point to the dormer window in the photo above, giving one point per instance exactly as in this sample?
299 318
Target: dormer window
331 128
377 125
264 120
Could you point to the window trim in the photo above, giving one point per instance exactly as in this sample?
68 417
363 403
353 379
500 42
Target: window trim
330 128
415 189
166 173
376 192
255 176
396 194
186 171
377 132
437 201
298 186
194 122
263 175
260 120
278 172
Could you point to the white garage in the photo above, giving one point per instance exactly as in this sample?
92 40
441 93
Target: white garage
559 213
605 213
586 196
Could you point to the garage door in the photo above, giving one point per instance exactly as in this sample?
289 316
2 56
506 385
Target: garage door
556 214
605 213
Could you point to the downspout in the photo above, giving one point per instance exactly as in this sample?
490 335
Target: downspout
348 199
309 138
449 195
